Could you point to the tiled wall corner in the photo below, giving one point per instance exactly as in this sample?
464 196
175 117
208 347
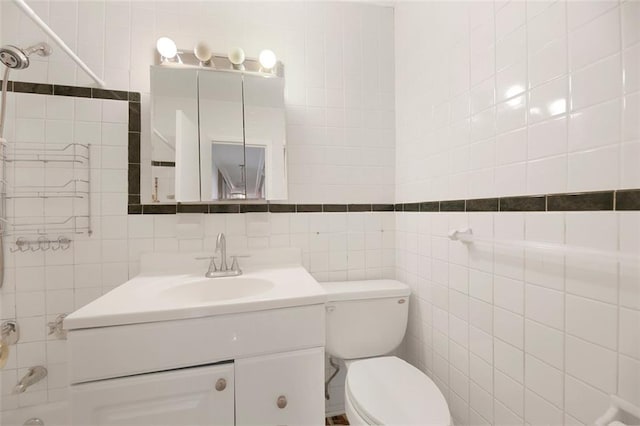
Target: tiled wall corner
523 336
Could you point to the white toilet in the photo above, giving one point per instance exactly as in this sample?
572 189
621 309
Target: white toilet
366 320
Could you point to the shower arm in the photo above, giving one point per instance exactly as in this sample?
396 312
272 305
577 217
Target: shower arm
22 5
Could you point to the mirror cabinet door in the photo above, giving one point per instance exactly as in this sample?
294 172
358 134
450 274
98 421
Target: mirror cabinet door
222 156
174 134
223 131
265 139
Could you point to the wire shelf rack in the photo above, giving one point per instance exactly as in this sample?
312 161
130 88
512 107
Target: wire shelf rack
73 188
72 153
32 207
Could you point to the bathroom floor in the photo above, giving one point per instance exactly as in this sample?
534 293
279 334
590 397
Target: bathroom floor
337 420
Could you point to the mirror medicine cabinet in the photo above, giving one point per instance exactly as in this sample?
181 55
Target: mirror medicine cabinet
223 130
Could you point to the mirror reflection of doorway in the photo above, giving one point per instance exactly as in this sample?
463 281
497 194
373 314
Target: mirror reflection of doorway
238 171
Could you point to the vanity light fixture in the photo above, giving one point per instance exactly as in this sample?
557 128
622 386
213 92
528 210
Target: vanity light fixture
202 56
267 59
167 48
236 57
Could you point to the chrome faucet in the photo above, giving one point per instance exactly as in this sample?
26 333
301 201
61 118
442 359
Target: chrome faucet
224 271
33 376
221 246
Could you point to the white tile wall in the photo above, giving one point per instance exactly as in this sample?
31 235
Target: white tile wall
530 347
339 75
515 98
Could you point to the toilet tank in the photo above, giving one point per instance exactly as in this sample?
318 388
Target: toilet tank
365 318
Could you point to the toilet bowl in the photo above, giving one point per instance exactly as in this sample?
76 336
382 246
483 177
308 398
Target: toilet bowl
390 391
365 321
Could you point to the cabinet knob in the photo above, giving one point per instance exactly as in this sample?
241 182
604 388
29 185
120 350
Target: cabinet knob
282 401
221 384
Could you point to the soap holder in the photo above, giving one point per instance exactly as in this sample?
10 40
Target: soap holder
10 332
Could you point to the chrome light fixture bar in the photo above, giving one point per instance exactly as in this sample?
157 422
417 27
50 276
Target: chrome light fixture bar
201 57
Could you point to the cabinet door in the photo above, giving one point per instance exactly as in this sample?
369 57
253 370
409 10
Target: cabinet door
281 389
222 157
192 396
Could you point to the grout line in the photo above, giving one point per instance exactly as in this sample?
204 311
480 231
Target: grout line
615 198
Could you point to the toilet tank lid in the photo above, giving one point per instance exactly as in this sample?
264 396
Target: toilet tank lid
366 289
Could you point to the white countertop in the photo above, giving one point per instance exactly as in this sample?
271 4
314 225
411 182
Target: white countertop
141 299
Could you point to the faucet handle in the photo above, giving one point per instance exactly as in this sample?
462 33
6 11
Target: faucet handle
212 263
234 263
56 327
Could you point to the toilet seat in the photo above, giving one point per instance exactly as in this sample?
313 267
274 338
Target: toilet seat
388 391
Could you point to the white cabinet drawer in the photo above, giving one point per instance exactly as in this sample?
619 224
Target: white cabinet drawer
198 396
107 352
281 389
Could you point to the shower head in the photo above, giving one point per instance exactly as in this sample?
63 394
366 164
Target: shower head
17 58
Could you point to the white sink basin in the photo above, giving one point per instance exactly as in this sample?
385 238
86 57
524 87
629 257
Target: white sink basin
172 286
215 289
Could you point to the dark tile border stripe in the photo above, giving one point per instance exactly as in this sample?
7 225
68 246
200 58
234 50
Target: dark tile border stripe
452 206
118 95
159 208
282 208
39 89
359 207
224 208
628 199
430 206
523 204
411 207
254 208
308 208
615 200
192 208
163 163
382 207
334 208
9 85
589 201
482 205
76 92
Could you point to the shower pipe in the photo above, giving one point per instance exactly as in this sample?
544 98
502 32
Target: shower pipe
38 21
3 173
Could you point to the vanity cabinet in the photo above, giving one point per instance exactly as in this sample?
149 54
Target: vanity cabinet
131 375
190 396
281 389
275 389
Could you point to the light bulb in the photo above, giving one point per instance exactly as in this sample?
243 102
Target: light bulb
236 56
202 51
166 47
267 59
